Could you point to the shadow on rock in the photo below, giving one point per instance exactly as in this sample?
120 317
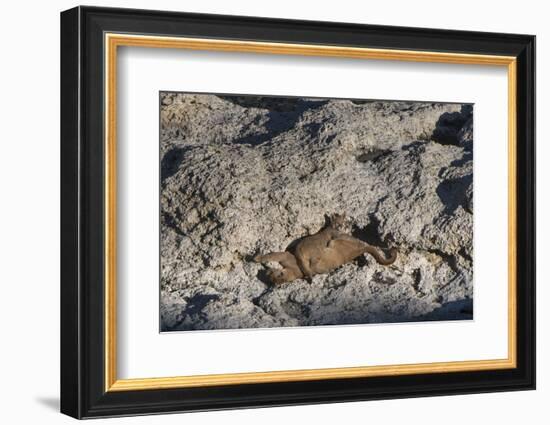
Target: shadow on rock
283 114
171 161
196 303
263 277
448 127
454 193
454 310
373 155
369 233
194 308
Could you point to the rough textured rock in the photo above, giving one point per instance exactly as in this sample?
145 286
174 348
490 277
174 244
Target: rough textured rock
248 175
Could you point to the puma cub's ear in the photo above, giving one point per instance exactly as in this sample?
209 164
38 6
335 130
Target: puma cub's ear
337 220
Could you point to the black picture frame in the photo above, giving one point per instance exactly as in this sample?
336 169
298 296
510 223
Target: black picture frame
83 392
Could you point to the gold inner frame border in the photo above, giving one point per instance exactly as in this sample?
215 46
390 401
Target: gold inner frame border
111 43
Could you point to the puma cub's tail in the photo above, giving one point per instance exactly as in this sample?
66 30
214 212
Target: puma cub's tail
381 259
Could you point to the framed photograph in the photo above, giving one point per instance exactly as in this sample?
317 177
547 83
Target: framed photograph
261 212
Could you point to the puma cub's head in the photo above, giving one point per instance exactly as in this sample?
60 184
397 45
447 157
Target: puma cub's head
278 276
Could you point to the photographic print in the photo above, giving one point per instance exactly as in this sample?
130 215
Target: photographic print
300 211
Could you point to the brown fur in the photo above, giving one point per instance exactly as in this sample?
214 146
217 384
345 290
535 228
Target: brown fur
320 253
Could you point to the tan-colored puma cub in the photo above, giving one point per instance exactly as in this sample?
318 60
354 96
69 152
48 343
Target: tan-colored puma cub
320 253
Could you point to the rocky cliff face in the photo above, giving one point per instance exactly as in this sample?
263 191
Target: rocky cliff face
248 175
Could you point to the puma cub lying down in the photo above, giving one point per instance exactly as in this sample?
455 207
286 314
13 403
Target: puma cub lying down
320 253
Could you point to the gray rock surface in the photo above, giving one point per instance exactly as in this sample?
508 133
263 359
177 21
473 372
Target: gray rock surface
248 175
